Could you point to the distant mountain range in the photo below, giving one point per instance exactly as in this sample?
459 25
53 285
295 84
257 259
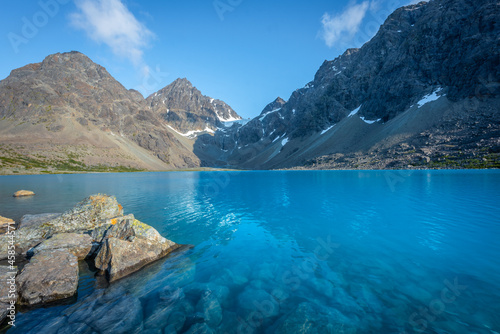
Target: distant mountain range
424 92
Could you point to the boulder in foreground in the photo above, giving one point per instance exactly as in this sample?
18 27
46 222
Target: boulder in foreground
87 215
22 193
130 246
49 276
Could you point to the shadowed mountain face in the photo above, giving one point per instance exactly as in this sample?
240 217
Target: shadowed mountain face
69 110
407 97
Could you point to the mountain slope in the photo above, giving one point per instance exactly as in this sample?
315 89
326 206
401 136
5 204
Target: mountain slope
68 113
432 66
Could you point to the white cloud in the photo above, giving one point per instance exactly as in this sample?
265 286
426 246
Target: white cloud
345 25
110 22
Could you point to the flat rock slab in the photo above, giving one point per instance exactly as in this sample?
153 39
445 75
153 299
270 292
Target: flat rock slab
22 193
79 245
8 291
36 220
49 276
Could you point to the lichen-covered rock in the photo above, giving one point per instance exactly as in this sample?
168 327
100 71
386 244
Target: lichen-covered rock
36 220
79 245
119 227
119 258
85 216
142 245
49 276
4 224
22 193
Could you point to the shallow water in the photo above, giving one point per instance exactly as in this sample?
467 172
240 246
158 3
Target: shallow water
289 252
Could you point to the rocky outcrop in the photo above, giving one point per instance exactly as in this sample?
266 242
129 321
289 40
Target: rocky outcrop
85 216
94 228
128 246
49 276
23 193
4 224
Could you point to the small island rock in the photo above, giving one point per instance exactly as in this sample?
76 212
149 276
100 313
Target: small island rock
22 193
49 276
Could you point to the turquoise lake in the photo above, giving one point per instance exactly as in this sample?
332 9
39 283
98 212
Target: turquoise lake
288 252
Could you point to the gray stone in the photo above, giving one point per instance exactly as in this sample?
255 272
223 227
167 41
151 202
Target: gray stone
119 258
79 245
210 307
118 227
87 215
49 276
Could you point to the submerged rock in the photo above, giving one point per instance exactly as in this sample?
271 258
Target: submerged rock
312 318
200 328
50 275
142 245
79 245
21 193
210 307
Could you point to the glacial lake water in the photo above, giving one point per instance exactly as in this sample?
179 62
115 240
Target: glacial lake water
288 252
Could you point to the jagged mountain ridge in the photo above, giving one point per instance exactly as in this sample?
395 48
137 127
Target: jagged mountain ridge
442 49
184 107
67 107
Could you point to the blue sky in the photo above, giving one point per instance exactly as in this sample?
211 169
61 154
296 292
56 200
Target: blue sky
243 52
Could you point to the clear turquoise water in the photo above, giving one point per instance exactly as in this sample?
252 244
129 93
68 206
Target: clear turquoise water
289 252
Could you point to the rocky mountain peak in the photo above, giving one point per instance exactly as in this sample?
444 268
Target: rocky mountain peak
187 110
275 105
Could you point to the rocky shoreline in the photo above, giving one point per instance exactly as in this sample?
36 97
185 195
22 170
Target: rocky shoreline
48 247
